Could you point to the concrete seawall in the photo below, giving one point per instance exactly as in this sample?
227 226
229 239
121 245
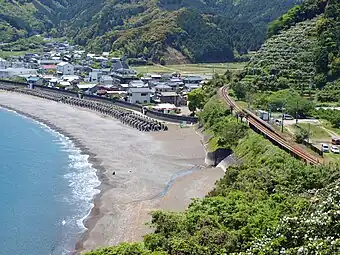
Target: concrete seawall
214 158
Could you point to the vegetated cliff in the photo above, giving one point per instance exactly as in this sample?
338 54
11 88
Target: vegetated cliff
303 50
196 30
23 18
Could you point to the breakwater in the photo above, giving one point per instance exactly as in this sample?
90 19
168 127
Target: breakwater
126 105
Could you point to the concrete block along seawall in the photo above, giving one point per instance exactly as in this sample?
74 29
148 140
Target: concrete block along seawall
123 104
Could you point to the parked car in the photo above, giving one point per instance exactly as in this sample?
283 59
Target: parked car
335 149
287 117
336 141
325 147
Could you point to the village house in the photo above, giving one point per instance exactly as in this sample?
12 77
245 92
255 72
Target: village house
88 88
72 79
163 87
123 76
139 95
34 80
192 80
48 68
3 64
106 80
169 98
136 84
65 68
118 64
49 62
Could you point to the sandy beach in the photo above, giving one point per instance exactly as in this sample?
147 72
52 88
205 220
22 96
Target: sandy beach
153 171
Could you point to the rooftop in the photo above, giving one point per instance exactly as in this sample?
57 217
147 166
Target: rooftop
193 78
163 86
86 86
49 67
63 64
169 94
139 90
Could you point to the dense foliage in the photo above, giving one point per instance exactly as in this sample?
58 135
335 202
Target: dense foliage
333 116
199 97
291 101
26 17
330 93
302 53
285 60
328 53
180 30
309 9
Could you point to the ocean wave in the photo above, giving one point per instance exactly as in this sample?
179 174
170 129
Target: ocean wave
82 176
83 187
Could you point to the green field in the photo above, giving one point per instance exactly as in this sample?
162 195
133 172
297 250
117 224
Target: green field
186 69
9 54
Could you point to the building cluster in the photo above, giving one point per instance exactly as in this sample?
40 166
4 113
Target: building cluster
63 67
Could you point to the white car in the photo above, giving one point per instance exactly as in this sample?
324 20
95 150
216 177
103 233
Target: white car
325 147
335 149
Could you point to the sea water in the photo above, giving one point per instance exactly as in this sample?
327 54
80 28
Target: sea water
46 188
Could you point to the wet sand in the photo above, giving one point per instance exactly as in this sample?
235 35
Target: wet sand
161 170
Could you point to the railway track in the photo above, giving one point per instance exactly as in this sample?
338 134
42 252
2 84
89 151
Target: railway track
268 131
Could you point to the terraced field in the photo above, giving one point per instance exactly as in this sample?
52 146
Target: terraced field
285 60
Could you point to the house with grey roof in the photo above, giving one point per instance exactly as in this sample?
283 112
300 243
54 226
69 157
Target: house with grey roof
163 87
139 95
3 64
192 80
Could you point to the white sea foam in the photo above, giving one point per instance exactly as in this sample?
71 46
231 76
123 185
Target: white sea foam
82 177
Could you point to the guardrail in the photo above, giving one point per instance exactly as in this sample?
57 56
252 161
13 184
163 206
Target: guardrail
268 131
121 103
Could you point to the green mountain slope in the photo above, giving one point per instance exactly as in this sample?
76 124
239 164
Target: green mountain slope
23 18
303 51
198 30
158 30
285 60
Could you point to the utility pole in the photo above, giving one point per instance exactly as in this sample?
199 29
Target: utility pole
308 131
282 118
297 111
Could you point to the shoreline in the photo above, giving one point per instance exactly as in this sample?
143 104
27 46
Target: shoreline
100 209
90 219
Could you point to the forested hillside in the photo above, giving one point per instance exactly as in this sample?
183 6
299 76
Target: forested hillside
159 30
162 30
303 52
23 18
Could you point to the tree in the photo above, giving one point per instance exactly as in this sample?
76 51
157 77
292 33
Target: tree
301 135
240 90
213 112
196 100
291 101
229 132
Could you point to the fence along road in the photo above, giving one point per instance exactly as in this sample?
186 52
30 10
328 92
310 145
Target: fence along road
268 131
